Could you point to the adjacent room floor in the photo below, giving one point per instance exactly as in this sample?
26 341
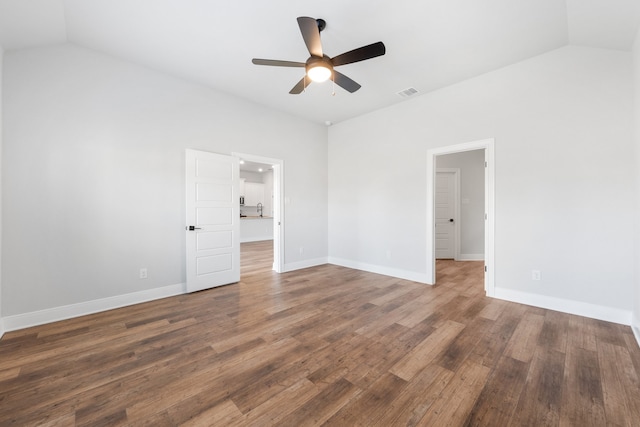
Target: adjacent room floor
324 345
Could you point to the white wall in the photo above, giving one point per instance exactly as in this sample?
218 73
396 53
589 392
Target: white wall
562 125
94 175
1 132
471 200
636 75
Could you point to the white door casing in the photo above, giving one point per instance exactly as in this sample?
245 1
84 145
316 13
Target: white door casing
213 211
278 218
446 213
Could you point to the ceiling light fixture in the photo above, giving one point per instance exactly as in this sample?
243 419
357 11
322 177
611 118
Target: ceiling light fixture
319 69
319 73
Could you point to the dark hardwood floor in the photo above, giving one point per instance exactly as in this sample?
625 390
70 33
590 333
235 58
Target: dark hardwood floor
324 346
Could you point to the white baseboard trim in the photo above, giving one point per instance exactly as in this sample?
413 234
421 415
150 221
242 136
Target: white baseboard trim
26 320
470 257
292 266
385 271
585 309
635 327
1 327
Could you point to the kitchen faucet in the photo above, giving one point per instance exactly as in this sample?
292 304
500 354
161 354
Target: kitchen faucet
259 209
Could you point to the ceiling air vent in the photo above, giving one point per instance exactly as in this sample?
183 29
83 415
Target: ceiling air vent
408 92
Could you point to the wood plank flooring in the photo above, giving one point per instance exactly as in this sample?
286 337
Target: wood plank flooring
323 346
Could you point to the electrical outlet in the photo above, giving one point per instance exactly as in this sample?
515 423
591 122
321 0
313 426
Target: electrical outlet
143 273
301 250
535 274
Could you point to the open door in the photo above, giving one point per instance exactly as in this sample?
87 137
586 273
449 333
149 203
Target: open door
213 220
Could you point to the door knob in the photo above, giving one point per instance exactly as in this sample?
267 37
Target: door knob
193 227
451 220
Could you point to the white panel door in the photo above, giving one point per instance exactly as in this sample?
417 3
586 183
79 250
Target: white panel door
213 220
445 214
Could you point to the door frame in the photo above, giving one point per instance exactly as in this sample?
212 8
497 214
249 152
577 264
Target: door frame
488 145
456 209
278 205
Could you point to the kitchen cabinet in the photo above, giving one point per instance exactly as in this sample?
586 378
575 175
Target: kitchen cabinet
253 193
254 229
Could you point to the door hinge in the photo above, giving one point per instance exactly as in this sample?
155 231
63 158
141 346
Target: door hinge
485 216
485 268
485 164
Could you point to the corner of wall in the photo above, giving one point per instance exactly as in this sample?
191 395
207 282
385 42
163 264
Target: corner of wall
1 131
635 321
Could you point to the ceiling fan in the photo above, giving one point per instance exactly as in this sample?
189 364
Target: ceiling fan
319 67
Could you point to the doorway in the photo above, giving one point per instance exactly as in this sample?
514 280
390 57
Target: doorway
262 210
487 146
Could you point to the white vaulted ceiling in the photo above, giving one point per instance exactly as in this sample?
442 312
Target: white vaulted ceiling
430 43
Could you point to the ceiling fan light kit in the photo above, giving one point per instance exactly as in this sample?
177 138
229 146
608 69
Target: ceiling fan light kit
319 67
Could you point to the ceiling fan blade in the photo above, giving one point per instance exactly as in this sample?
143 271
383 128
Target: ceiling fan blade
277 63
345 82
300 86
311 35
360 54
